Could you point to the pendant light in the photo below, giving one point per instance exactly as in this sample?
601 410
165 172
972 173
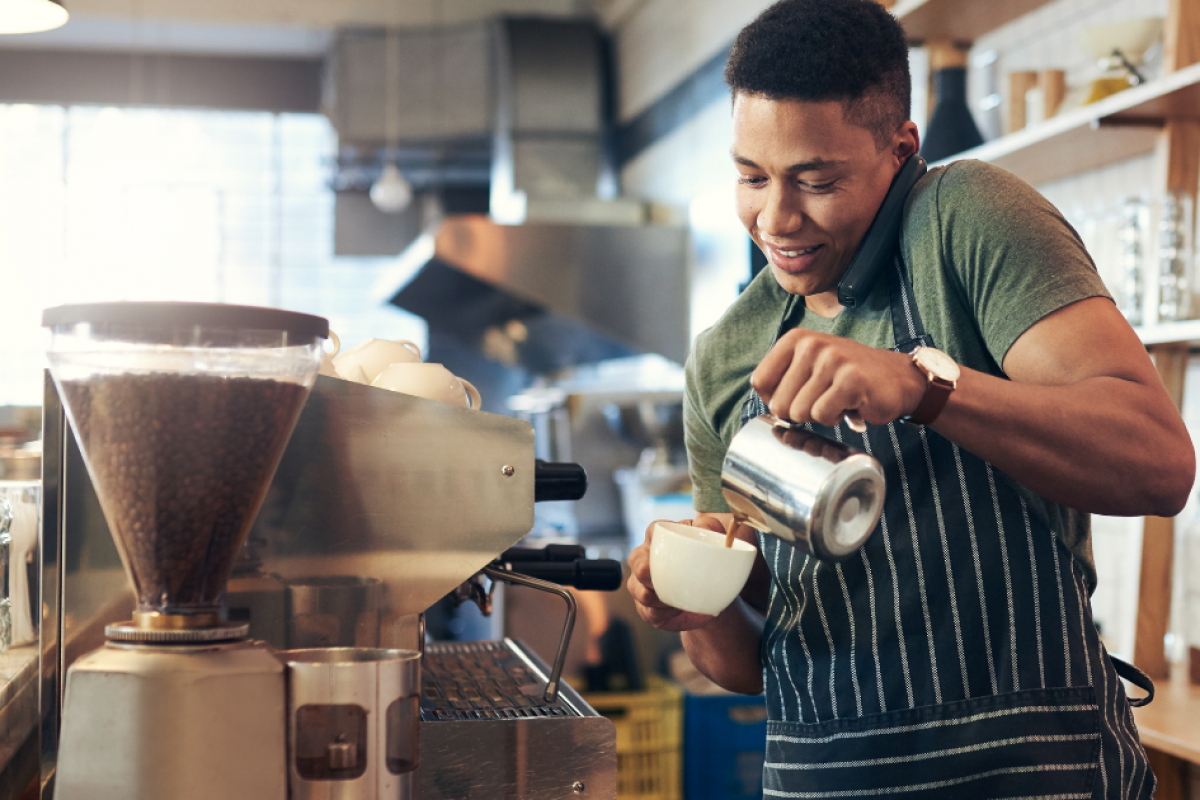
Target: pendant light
31 16
391 193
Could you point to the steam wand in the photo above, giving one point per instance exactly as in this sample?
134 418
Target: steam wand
568 625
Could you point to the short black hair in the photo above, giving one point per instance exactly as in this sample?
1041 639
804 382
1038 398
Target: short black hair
819 50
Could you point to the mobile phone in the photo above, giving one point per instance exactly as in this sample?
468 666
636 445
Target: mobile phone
878 245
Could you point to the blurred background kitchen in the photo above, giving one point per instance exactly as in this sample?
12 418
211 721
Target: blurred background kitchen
539 194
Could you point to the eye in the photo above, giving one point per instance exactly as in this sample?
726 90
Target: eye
817 187
751 180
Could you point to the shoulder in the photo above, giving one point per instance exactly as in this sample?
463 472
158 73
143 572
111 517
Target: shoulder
974 194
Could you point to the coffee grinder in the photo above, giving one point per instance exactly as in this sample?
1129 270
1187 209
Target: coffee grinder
182 412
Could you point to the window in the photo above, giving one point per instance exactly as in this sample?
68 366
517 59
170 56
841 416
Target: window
101 204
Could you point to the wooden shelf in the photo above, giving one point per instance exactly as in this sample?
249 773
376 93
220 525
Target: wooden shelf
1187 332
1169 723
958 20
1115 129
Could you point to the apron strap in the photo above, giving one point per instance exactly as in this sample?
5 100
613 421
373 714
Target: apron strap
1135 676
907 327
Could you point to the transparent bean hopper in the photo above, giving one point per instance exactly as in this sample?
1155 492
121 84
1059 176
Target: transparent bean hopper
182 412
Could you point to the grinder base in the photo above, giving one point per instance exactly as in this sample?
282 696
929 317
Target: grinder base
188 722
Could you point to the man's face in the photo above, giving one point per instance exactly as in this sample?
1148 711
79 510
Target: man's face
809 184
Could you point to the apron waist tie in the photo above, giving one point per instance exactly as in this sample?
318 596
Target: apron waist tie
1138 678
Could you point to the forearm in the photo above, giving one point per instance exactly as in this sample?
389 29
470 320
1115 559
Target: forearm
727 649
1106 445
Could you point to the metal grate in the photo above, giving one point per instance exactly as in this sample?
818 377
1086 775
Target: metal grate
482 680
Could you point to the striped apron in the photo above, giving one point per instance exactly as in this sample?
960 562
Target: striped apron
955 655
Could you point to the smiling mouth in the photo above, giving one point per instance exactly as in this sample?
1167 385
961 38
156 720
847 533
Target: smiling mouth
797 253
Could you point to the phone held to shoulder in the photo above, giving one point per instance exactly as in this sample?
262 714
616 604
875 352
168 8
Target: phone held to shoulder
879 243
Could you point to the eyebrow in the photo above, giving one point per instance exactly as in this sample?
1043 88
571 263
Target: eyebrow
805 166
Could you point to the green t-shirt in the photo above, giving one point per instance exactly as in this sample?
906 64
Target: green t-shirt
988 257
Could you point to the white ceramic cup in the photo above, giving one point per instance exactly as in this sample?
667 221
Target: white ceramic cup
327 367
432 381
374 356
693 570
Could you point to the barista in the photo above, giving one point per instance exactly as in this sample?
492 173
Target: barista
1007 399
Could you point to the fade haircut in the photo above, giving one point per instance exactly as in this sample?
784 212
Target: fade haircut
851 51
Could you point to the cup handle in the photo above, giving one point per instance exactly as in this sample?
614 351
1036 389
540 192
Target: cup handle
337 344
472 392
411 346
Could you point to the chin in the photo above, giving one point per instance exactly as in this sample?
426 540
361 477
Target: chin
803 285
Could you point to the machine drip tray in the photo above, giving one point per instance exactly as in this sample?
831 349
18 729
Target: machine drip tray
487 730
488 680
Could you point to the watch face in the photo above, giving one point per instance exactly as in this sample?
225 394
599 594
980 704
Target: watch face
938 363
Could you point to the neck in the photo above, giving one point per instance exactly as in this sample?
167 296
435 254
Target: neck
824 304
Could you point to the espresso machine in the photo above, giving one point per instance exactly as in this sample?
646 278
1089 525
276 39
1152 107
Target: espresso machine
182 414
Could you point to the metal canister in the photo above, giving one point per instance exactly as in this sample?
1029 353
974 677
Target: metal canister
817 494
352 723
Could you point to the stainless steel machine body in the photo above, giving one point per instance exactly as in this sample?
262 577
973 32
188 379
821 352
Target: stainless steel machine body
466 753
415 494
236 749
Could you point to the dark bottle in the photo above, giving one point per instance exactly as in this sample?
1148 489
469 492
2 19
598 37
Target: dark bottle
951 129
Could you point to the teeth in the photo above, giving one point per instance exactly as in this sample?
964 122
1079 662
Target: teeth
794 253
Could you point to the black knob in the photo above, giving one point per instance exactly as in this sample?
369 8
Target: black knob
558 481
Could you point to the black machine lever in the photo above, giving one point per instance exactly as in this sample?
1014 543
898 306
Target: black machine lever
558 480
594 574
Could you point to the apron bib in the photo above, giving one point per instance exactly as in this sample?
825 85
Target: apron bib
955 655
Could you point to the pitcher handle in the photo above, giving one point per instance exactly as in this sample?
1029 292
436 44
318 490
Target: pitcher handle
472 393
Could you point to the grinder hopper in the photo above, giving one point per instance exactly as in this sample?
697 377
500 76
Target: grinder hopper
181 411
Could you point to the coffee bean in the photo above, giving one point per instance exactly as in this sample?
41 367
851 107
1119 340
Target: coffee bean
181 464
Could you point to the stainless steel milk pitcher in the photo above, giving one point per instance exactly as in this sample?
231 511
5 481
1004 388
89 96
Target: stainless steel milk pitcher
819 495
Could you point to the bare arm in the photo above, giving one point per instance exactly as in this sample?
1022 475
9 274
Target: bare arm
724 647
1083 420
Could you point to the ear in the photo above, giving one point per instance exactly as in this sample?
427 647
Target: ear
906 142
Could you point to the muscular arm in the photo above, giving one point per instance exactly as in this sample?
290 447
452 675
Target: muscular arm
724 647
1084 419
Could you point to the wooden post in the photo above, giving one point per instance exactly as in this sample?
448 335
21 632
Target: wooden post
1158 545
1181 35
1177 168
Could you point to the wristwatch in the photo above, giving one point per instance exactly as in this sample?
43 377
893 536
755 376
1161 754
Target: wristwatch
943 374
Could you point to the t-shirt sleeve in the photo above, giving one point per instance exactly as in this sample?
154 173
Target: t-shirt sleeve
705 448
1014 255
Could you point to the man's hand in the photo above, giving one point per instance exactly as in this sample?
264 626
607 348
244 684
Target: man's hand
815 377
640 585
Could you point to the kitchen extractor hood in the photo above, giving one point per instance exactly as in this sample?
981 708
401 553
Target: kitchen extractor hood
546 296
572 277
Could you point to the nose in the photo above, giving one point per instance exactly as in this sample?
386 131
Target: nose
781 213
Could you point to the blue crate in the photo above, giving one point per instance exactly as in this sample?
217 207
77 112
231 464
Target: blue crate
723 742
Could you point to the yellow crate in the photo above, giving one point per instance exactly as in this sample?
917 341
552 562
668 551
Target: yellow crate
649 739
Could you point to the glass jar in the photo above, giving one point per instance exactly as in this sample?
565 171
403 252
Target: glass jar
1174 256
1132 232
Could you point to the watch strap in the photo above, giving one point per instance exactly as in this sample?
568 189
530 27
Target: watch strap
937 392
